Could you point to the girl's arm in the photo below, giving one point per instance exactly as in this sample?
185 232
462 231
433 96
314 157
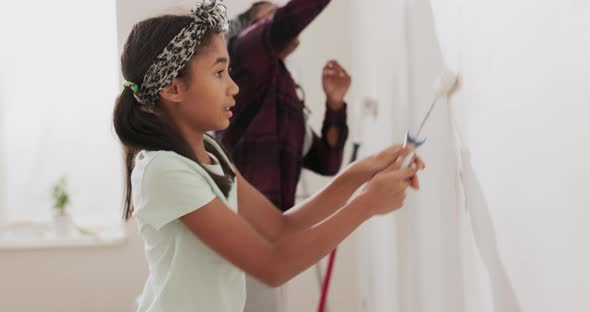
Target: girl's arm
329 200
275 261
270 222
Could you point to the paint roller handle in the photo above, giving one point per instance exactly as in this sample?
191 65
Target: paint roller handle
408 139
408 160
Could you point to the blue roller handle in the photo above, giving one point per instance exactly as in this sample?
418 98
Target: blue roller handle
408 139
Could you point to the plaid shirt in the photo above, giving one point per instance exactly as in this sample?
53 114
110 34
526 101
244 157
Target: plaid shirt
266 135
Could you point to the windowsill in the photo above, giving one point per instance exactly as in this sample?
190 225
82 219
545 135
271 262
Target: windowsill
35 236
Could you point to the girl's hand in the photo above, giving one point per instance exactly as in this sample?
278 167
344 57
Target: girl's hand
375 163
386 191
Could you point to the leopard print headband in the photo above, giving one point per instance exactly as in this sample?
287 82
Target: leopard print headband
208 15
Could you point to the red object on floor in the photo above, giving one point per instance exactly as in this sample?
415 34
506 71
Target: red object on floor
326 283
328 277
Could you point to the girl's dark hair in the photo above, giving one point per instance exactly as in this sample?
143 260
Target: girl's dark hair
139 128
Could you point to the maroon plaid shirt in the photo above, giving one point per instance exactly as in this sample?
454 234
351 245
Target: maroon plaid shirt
265 136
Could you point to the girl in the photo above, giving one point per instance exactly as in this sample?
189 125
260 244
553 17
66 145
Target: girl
202 223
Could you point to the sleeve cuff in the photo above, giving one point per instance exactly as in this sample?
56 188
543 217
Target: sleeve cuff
335 118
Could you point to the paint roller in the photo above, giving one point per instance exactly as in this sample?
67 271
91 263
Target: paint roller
446 83
444 86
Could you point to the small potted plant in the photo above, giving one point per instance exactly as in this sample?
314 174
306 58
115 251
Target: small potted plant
61 217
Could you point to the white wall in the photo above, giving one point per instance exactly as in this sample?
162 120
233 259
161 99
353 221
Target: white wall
523 103
379 71
524 108
3 163
432 229
92 279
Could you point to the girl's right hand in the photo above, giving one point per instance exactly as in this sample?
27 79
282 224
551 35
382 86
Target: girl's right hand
386 191
373 164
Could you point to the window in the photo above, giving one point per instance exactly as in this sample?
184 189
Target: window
58 82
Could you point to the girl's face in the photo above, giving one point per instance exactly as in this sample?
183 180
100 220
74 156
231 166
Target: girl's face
207 95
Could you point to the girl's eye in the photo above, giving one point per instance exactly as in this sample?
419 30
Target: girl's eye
219 73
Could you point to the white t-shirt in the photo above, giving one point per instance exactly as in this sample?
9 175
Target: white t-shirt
184 274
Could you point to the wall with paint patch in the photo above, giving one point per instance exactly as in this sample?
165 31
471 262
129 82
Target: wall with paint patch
522 107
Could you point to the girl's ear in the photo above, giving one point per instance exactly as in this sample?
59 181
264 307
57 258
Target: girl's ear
173 92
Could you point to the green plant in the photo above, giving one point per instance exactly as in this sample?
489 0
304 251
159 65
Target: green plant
60 196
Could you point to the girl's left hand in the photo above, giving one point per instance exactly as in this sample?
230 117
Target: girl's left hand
336 82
